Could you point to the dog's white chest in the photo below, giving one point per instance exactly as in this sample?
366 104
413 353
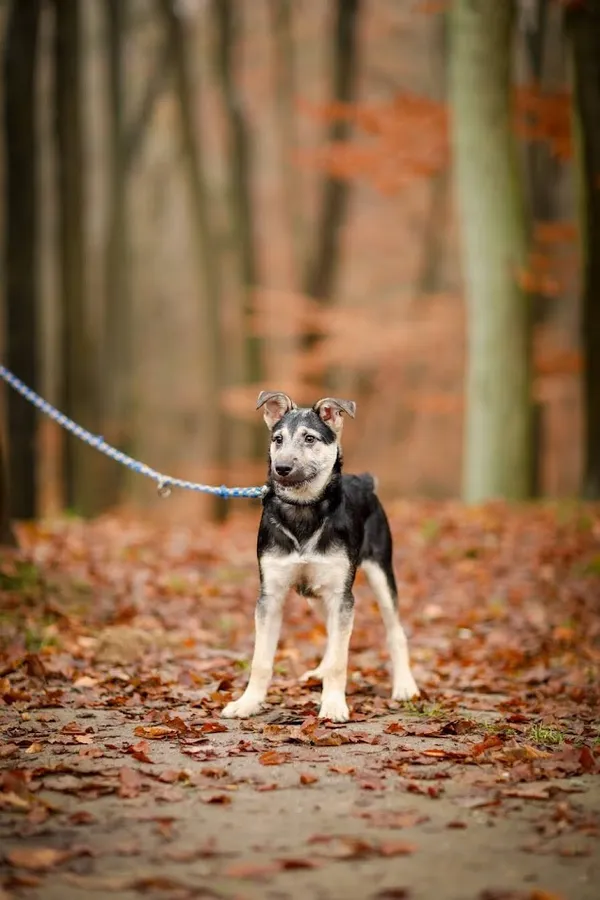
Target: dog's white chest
322 574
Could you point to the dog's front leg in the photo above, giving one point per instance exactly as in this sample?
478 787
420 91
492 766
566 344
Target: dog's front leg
267 618
334 667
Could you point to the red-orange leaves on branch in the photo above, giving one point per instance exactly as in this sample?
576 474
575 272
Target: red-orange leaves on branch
545 117
396 142
553 265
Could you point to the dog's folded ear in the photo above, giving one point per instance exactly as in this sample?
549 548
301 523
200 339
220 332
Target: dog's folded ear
276 405
330 410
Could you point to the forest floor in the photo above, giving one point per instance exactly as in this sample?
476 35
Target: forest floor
121 642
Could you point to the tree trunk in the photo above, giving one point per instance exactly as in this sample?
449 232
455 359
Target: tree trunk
285 90
498 379
21 246
206 255
7 538
321 271
79 400
584 28
240 172
117 338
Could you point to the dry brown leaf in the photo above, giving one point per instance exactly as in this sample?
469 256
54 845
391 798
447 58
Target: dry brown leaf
273 758
396 848
37 859
307 778
252 870
154 732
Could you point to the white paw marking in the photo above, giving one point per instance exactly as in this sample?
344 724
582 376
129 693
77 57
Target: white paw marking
242 708
334 708
313 673
405 688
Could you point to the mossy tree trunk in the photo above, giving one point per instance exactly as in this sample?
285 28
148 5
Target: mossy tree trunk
497 447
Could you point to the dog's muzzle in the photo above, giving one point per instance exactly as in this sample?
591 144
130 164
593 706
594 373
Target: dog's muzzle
285 475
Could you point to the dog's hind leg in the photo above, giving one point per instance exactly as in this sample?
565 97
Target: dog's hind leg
317 604
382 582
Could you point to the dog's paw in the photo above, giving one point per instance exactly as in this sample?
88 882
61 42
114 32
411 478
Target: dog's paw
312 674
334 708
242 708
405 688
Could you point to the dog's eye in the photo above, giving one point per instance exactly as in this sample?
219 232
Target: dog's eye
278 439
309 439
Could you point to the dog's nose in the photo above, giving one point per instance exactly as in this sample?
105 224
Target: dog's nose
283 469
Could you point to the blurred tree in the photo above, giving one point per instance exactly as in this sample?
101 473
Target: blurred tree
83 487
497 443
21 245
281 21
323 260
7 538
240 174
206 251
584 27
542 180
117 338
543 166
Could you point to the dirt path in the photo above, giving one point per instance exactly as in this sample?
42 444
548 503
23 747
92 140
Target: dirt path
319 821
121 644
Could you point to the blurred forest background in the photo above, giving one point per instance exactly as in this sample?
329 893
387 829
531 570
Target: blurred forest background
396 201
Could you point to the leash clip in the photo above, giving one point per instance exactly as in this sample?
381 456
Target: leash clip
164 489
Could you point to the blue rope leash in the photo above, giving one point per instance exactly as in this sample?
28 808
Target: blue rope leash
165 483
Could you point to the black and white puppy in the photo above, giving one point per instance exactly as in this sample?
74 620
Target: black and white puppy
317 527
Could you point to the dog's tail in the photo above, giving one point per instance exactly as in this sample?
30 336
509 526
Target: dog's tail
371 482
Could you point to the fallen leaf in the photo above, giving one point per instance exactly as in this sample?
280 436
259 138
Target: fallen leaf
8 750
307 778
130 783
154 732
82 817
37 858
396 848
213 727
140 751
218 799
292 863
477 802
531 793
252 870
395 728
273 758
489 743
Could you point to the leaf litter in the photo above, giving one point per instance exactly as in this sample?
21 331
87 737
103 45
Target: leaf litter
152 627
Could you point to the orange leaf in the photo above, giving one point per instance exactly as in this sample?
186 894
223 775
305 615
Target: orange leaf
307 778
273 758
37 858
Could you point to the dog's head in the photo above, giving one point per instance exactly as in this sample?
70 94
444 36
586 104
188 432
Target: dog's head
305 443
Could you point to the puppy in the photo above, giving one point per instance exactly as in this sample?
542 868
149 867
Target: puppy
317 527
